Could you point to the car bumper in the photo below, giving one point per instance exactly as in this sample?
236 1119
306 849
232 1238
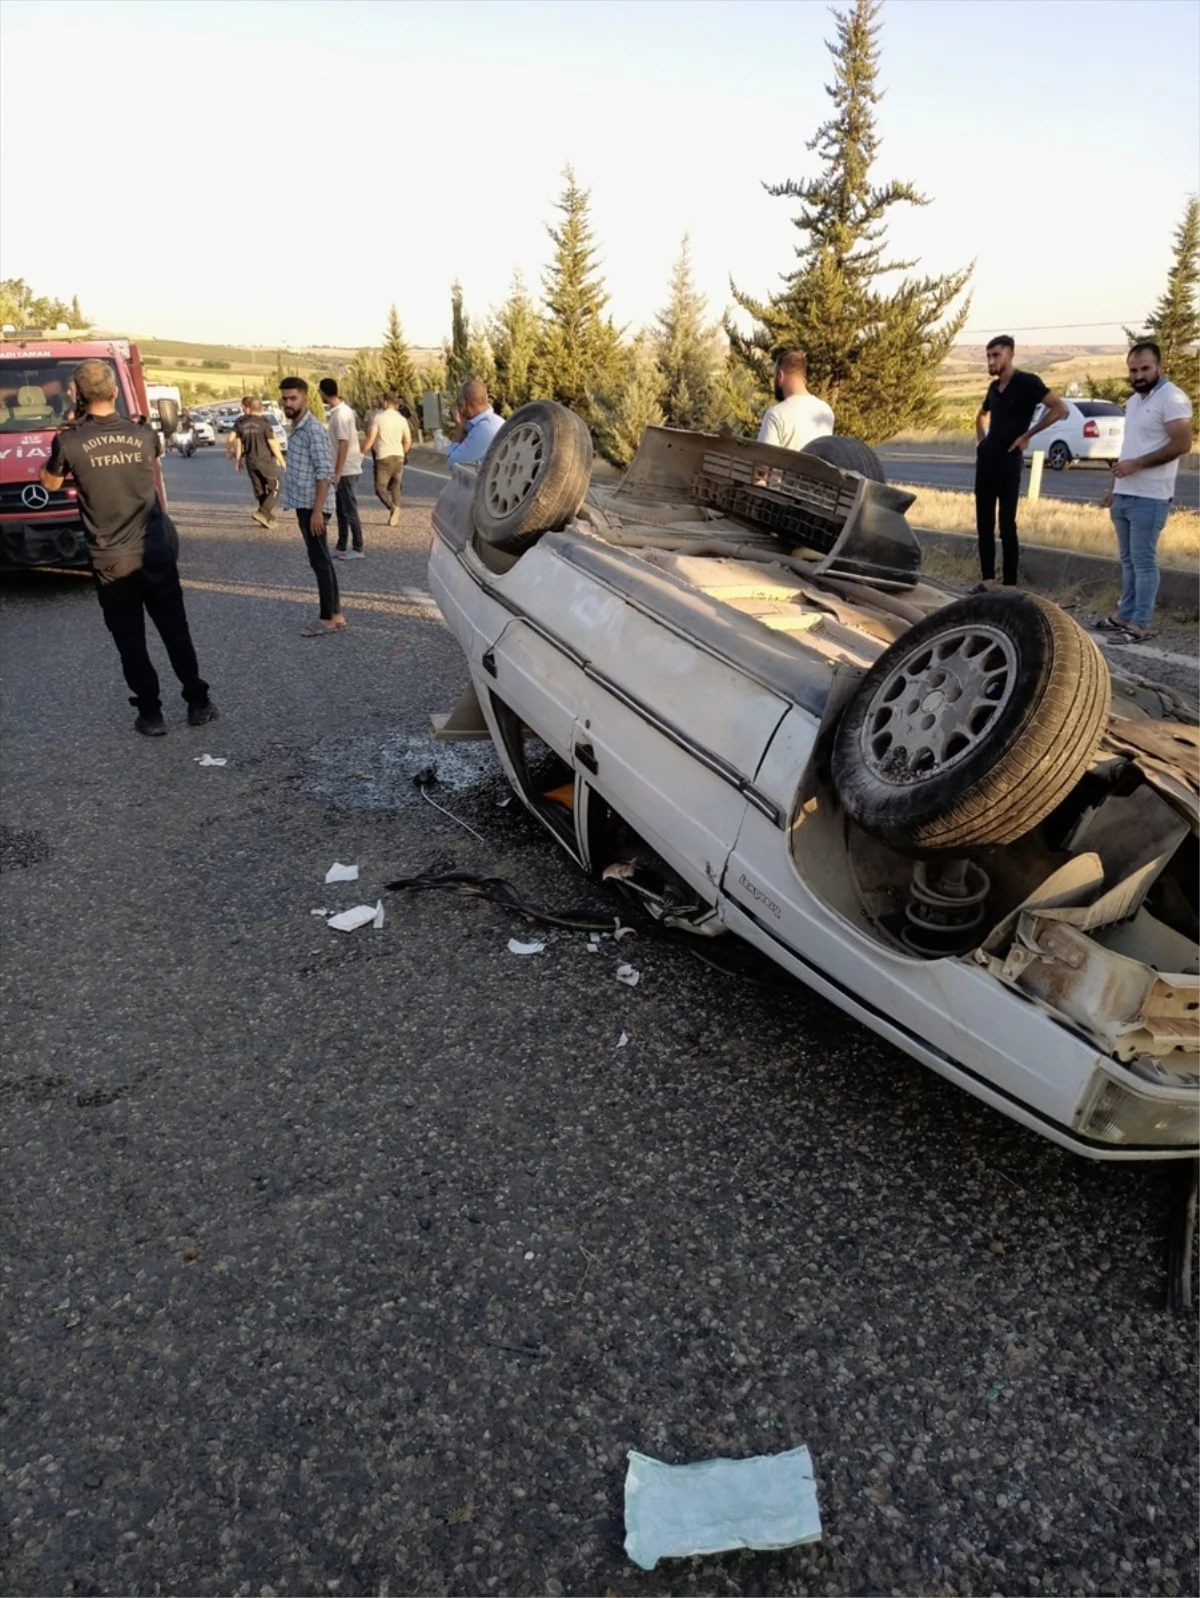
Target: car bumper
27 542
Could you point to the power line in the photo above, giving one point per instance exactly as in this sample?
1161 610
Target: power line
1055 327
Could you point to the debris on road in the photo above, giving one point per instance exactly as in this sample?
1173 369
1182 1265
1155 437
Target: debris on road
628 975
321 912
340 873
515 946
210 760
673 1511
623 1040
351 920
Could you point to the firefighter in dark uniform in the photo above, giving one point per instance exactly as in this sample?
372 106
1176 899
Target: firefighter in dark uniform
132 543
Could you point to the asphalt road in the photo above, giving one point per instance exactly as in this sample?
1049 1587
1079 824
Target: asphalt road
1087 483
356 1263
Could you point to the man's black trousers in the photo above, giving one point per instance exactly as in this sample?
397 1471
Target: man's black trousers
998 488
153 591
265 486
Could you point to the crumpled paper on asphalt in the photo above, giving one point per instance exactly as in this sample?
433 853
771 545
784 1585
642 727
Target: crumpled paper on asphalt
672 1511
340 873
209 760
629 975
515 946
351 920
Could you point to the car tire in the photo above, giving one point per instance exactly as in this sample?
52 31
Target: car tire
534 476
916 769
1058 456
850 454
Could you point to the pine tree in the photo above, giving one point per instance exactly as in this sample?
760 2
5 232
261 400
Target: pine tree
513 335
1174 323
631 405
363 383
480 362
77 318
873 354
458 351
688 351
399 374
578 352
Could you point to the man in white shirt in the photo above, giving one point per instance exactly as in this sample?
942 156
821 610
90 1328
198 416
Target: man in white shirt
347 469
1158 430
390 436
799 417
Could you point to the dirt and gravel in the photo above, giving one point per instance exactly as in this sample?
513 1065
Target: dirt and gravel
355 1264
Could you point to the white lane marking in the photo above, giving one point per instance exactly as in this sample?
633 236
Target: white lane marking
1151 653
396 603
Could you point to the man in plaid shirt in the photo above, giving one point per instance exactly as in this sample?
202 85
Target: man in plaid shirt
305 487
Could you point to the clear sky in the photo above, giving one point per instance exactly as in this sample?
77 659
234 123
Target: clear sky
279 171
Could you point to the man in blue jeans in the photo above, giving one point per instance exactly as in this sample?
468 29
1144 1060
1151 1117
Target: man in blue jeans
1158 430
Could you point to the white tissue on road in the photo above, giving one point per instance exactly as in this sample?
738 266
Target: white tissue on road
623 1040
628 975
671 1511
515 946
318 912
340 873
351 920
209 760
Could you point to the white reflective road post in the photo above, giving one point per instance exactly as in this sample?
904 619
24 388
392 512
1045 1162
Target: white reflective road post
1035 475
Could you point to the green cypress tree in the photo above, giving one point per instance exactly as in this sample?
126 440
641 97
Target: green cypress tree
513 335
873 353
688 352
458 351
578 353
631 404
399 374
1174 323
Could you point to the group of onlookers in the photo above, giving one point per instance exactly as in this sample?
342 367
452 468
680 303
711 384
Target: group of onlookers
1158 430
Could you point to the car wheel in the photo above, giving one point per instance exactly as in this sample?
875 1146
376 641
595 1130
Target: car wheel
1058 456
851 454
973 726
534 476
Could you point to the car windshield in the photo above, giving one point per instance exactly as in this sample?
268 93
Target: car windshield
1099 408
35 393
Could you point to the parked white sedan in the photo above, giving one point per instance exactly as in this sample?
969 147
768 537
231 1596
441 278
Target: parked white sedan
1092 430
936 813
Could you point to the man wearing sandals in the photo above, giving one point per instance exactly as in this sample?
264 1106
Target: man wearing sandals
1158 430
306 488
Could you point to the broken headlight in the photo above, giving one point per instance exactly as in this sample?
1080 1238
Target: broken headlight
1116 1114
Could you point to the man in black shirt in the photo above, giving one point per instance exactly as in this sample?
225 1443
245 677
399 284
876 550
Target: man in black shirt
132 543
255 444
1002 433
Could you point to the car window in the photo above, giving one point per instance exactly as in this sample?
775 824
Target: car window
1099 408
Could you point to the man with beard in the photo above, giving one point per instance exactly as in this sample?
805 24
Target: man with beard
799 417
1158 430
1003 429
307 489
132 543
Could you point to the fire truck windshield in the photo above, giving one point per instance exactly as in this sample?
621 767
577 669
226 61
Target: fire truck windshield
37 395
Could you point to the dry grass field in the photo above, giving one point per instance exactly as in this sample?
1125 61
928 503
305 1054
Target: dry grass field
1058 522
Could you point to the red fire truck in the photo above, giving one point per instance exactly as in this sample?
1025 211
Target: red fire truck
39 528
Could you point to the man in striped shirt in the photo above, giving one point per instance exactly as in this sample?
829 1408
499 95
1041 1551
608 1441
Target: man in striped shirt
306 485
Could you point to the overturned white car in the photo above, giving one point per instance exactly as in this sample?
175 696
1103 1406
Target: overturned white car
942 814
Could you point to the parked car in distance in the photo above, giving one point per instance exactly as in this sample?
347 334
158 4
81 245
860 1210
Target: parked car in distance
1092 430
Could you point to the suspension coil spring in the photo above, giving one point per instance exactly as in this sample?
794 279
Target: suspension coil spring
946 907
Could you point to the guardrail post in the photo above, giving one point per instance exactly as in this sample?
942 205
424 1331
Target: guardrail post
1035 476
